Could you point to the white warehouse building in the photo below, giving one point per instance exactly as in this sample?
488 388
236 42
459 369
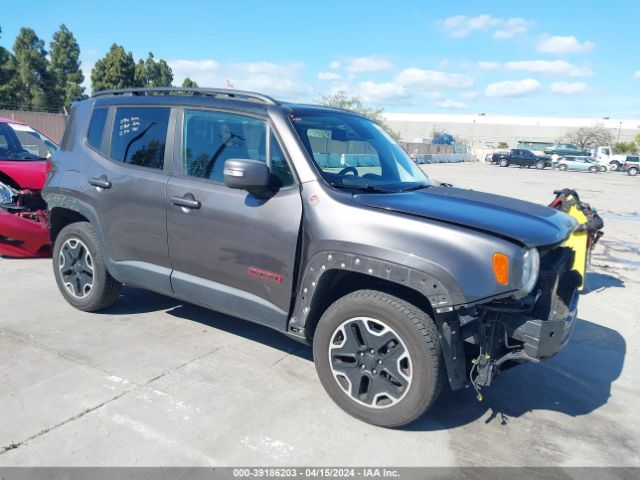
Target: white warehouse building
484 131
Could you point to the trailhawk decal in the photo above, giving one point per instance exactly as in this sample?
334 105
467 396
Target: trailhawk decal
254 272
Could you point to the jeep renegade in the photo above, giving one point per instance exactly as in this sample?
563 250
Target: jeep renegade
312 221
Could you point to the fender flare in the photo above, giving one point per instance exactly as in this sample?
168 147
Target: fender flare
322 262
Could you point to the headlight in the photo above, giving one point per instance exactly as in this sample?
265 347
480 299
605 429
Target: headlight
530 270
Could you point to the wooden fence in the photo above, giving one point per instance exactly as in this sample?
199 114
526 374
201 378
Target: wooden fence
51 124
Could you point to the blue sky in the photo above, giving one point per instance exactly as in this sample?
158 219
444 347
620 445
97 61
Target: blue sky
546 58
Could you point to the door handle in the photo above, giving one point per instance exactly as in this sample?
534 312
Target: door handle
100 182
183 202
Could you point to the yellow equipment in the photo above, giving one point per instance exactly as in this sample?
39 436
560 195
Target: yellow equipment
578 242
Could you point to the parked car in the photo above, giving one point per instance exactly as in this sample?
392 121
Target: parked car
523 158
631 165
565 149
24 164
237 202
580 163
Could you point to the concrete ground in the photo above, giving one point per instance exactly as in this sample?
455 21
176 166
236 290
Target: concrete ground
156 382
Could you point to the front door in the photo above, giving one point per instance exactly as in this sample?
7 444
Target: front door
230 250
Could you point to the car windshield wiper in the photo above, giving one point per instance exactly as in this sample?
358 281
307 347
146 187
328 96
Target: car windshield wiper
413 187
364 188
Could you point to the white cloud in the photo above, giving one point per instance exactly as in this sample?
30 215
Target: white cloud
335 64
461 26
636 75
368 64
563 44
512 27
513 88
568 88
386 92
271 78
488 65
328 76
450 105
554 67
433 79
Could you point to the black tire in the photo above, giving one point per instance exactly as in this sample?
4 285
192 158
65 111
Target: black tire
633 171
93 287
504 162
417 338
614 166
593 169
562 167
540 165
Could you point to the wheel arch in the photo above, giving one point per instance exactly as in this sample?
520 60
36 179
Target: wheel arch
61 217
330 275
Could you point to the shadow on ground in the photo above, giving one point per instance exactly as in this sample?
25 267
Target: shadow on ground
600 281
575 382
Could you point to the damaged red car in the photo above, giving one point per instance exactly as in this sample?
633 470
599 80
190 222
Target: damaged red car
24 164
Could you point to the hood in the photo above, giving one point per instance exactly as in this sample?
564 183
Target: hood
524 222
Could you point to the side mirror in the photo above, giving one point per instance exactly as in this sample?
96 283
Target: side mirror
244 174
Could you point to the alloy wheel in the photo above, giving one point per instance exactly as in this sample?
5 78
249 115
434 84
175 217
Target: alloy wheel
370 362
76 267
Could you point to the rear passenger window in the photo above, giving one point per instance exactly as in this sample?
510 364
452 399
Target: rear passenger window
96 127
139 136
211 138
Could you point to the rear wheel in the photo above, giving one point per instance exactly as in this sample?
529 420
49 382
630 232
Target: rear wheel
378 357
504 162
633 171
562 167
80 271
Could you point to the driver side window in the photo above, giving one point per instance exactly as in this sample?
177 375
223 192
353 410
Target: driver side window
211 138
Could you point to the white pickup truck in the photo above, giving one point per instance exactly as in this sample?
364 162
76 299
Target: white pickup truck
605 156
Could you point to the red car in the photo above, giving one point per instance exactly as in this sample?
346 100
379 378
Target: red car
24 164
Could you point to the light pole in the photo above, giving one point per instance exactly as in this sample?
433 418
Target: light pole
619 127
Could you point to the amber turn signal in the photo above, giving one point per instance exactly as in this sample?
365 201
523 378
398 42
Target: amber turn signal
501 268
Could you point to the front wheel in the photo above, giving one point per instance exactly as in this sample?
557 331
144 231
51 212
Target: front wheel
633 171
593 169
540 165
80 270
378 357
562 167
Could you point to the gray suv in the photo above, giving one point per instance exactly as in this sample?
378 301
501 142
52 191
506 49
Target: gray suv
314 222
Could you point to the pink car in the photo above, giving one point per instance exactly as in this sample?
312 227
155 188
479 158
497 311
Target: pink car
24 164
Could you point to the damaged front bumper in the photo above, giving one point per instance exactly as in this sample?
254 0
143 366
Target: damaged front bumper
24 228
531 329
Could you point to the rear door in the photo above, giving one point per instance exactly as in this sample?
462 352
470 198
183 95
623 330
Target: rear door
127 184
230 250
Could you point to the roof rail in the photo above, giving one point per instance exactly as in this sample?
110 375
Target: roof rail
208 92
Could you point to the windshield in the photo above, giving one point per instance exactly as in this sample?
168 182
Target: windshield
21 142
354 152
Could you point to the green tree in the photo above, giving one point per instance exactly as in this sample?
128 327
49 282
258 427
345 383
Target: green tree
625 147
150 73
8 78
65 68
188 83
34 82
340 99
115 70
